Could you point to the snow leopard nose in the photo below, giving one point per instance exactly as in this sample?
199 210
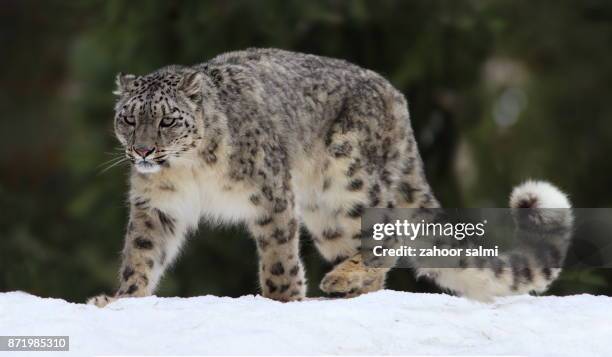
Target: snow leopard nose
144 151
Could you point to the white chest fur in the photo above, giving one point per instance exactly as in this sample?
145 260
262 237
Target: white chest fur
221 200
191 194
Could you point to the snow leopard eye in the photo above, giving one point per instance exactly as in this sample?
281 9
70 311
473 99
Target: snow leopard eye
166 122
128 120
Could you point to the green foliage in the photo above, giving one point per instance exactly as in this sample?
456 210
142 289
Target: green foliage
499 91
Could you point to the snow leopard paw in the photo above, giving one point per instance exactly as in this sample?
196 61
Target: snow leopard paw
101 300
351 278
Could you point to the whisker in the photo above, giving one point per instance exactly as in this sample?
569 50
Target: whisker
111 161
113 165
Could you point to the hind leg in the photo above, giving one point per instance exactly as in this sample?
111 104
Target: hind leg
337 237
333 217
363 160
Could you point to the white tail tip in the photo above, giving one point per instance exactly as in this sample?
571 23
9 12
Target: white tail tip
538 194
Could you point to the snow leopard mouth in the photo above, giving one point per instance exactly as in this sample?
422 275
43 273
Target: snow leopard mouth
147 167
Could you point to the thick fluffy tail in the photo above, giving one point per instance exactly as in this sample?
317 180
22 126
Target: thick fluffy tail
543 216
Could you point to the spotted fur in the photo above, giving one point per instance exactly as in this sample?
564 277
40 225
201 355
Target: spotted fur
272 138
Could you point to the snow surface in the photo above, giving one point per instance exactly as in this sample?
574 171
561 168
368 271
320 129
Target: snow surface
386 322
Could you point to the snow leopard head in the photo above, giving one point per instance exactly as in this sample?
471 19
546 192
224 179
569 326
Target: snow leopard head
158 116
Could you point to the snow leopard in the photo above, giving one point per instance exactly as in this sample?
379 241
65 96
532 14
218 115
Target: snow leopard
279 140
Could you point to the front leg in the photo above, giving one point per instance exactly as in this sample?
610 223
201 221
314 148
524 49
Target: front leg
152 241
275 230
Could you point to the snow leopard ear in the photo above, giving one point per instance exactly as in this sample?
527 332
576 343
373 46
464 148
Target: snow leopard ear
191 85
124 83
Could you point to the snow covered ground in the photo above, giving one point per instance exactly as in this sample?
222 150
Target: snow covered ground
386 322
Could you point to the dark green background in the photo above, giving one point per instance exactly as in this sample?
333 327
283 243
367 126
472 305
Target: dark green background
499 91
